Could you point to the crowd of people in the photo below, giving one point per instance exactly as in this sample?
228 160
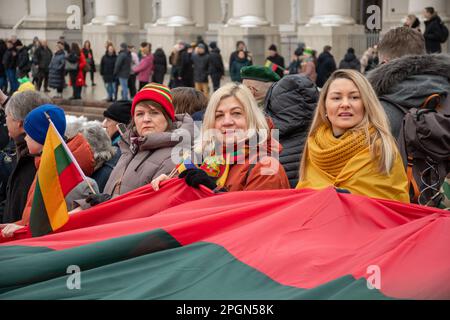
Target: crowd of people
378 127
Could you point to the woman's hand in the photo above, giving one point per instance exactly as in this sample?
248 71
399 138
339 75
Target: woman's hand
155 183
9 229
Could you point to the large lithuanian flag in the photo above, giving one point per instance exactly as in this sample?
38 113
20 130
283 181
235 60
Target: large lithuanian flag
182 243
58 174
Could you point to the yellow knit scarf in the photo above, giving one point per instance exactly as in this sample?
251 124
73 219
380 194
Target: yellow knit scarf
331 154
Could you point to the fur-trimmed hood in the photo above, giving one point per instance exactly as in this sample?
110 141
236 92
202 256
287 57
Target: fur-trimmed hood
385 78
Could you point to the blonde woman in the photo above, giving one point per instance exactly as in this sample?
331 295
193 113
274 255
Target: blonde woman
350 145
236 146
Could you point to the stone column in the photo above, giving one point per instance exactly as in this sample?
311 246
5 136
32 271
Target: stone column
248 23
332 13
111 23
176 13
176 23
248 14
110 13
333 25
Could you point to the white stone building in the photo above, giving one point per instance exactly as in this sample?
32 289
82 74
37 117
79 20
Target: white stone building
339 23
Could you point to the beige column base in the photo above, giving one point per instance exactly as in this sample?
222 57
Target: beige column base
167 37
257 40
99 34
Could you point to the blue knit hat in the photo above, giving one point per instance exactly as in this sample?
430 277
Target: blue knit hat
36 123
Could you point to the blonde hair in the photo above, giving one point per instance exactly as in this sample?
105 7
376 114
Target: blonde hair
382 144
256 121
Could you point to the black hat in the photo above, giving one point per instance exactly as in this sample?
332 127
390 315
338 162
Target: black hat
273 48
213 45
119 111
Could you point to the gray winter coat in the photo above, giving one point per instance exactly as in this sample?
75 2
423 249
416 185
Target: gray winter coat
291 103
56 70
122 68
408 81
151 159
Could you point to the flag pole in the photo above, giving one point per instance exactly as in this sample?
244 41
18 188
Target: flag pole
75 162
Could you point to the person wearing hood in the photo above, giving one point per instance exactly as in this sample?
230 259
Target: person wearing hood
24 169
36 126
147 145
216 68
433 30
232 121
291 104
275 58
350 61
258 79
160 63
201 68
408 75
326 65
122 69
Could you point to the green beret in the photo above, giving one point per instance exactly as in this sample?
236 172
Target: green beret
259 73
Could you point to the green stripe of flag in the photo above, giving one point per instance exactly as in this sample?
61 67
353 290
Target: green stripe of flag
39 221
62 159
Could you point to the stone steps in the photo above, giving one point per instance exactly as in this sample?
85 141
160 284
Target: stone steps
92 110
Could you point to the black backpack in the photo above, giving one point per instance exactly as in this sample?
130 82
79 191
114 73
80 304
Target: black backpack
444 32
424 145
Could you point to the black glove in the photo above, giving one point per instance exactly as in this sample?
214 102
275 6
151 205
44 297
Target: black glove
96 199
345 191
197 177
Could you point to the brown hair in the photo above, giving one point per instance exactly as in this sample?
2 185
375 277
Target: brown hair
188 100
400 42
160 108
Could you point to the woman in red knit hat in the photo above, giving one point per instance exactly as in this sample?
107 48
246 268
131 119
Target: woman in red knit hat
147 144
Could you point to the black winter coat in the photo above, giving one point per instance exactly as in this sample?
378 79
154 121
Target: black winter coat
9 59
291 103
201 67
432 35
107 67
350 62
122 67
19 184
43 57
160 66
23 62
216 63
279 60
325 67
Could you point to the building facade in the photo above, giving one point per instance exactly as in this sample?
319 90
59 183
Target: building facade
339 23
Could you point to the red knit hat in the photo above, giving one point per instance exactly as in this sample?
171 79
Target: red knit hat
158 93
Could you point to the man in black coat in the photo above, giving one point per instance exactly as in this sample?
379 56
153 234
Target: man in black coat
23 60
216 68
274 57
24 169
433 31
350 61
42 58
201 69
326 65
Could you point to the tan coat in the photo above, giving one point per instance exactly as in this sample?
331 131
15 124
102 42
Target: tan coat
152 158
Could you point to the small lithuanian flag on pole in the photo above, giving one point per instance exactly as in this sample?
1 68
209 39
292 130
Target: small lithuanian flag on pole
58 174
273 66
